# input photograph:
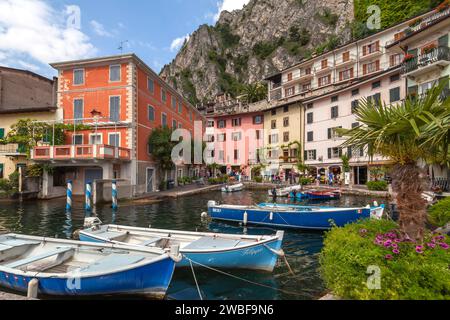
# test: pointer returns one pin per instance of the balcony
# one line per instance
(372, 54)
(301, 78)
(435, 58)
(276, 94)
(12, 149)
(344, 62)
(80, 152)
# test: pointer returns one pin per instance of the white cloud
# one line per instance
(178, 42)
(229, 5)
(99, 29)
(32, 31)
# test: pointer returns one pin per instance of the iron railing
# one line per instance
(425, 59)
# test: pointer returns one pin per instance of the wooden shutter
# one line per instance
(329, 153)
(330, 131)
(351, 73)
(346, 56)
(315, 154)
(364, 68)
(443, 41)
(377, 45)
(377, 65)
(341, 75)
(364, 50)
(305, 155)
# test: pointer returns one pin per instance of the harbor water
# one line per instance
(302, 248)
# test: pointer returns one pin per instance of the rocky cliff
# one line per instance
(263, 37)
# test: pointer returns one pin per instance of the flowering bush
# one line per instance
(409, 270)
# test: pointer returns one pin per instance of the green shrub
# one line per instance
(349, 252)
(5, 185)
(35, 170)
(305, 181)
(14, 180)
(439, 214)
(258, 179)
(163, 185)
(377, 185)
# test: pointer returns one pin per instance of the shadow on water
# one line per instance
(49, 218)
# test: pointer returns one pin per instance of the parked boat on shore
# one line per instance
(283, 192)
(233, 188)
(211, 249)
(73, 268)
(289, 216)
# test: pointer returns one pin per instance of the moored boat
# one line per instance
(216, 250)
(283, 192)
(322, 195)
(289, 216)
(233, 188)
(73, 268)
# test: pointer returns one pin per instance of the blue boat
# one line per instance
(290, 216)
(298, 195)
(224, 251)
(73, 268)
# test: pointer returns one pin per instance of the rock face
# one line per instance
(262, 38)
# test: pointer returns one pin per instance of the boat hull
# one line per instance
(317, 220)
(151, 280)
(256, 257)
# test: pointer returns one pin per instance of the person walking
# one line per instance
(330, 179)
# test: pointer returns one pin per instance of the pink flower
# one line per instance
(389, 257)
(388, 243)
(431, 245)
(419, 249)
(396, 251)
(444, 246)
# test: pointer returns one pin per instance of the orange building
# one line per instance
(113, 103)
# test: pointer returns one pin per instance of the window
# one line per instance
(274, 112)
(258, 134)
(355, 104)
(236, 136)
(334, 112)
(376, 98)
(324, 64)
(236, 122)
(78, 110)
(221, 124)
(333, 134)
(346, 56)
(164, 120)
(355, 92)
(190, 115)
(310, 118)
(180, 107)
(290, 91)
(371, 48)
(78, 77)
(150, 85)
(174, 124)
(289, 76)
(346, 74)
(395, 59)
(151, 113)
(394, 94)
(334, 153)
(309, 106)
(323, 81)
(222, 137)
(180, 126)
(371, 67)
(274, 124)
(114, 109)
(286, 122)
(174, 103)
(114, 73)
(1, 170)
(163, 95)
(310, 155)
(210, 124)
(395, 77)
(210, 138)
(286, 109)
(95, 138)
(306, 86)
(257, 119)
(114, 139)
(334, 99)
(355, 125)
(310, 136)
(376, 84)
(273, 138)
(285, 136)
(77, 139)
(236, 154)
(2, 133)
(221, 155)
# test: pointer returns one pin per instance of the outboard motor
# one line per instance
(211, 203)
(92, 222)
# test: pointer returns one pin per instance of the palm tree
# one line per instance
(254, 92)
(401, 132)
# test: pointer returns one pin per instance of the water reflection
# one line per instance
(49, 218)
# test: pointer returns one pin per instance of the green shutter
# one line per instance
(443, 41)
(2, 133)
(315, 155)
(1, 170)
(329, 153)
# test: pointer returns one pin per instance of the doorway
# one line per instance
(150, 179)
(360, 175)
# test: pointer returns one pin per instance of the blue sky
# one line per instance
(34, 33)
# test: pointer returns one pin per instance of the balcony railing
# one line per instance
(276, 94)
(12, 149)
(426, 59)
(81, 152)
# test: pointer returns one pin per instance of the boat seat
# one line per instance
(29, 260)
(4, 247)
(111, 262)
(150, 241)
(212, 243)
(111, 235)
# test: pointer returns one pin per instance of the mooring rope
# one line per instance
(195, 279)
(242, 279)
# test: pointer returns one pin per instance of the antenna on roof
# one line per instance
(121, 45)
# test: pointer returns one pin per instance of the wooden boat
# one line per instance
(233, 188)
(73, 268)
(289, 216)
(216, 250)
(283, 192)
(298, 195)
(322, 195)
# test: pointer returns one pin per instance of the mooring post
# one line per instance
(88, 206)
(33, 287)
(114, 195)
(69, 195)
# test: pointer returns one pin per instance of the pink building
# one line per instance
(234, 138)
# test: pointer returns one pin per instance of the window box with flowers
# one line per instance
(415, 23)
(408, 57)
(429, 48)
(443, 6)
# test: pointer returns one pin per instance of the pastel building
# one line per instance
(111, 105)
(234, 136)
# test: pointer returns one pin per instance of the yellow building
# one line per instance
(284, 132)
(23, 95)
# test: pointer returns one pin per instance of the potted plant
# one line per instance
(443, 6)
(429, 48)
(408, 57)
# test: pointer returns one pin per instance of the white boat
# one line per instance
(284, 192)
(233, 187)
(216, 250)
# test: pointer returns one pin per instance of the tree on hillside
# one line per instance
(255, 92)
